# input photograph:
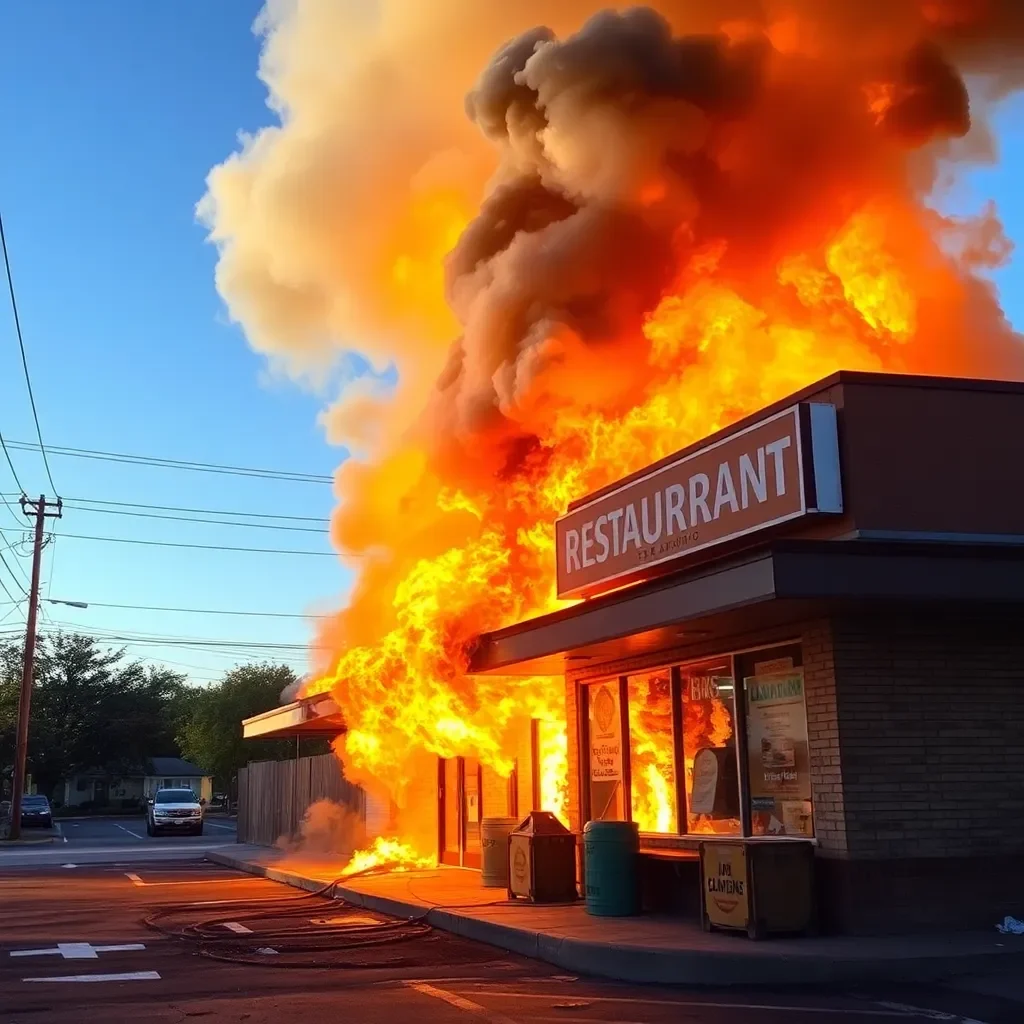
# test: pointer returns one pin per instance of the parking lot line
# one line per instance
(238, 929)
(128, 830)
(460, 1002)
(900, 1014)
(204, 881)
(227, 828)
(126, 976)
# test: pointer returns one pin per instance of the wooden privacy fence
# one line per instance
(274, 795)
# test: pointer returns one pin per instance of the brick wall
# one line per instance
(572, 737)
(931, 725)
(823, 739)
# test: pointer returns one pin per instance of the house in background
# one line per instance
(132, 789)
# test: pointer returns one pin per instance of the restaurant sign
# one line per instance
(778, 469)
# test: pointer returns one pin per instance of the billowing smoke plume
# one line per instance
(651, 222)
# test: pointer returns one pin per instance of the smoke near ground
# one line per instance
(327, 829)
(584, 239)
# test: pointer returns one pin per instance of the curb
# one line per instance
(17, 844)
(653, 965)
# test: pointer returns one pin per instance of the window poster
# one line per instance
(777, 749)
(605, 734)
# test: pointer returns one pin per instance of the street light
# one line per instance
(70, 604)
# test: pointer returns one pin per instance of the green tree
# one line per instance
(92, 710)
(212, 734)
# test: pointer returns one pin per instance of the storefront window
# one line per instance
(777, 747)
(607, 784)
(651, 752)
(709, 749)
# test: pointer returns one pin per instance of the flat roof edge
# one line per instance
(301, 715)
(839, 377)
(799, 570)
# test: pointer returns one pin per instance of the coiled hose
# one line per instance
(221, 943)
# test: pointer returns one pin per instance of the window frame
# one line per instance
(676, 670)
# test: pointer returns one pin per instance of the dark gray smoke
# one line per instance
(626, 149)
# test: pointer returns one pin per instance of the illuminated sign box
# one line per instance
(773, 471)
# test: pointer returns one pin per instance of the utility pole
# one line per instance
(39, 509)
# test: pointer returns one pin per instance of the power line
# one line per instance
(13, 471)
(10, 611)
(220, 649)
(196, 511)
(283, 657)
(181, 544)
(185, 464)
(24, 358)
(176, 638)
(6, 565)
(205, 611)
(53, 562)
(196, 519)
(9, 546)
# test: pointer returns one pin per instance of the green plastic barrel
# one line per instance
(611, 868)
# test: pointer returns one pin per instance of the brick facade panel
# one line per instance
(931, 723)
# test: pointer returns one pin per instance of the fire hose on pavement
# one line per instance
(297, 935)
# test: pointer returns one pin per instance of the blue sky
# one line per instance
(113, 114)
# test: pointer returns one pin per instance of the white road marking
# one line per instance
(205, 881)
(227, 828)
(128, 830)
(918, 1011)
(134, 878)
(459, 1002)
(270, 951)
(709, 1004)
(69, 866)
(79, 950)
(238, 929)
(127, 976)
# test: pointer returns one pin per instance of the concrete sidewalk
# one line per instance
(643, 949)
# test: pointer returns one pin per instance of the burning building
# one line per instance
(687, 216)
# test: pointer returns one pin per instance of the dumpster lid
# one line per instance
(541, 823)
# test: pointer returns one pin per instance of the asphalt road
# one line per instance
(96, 840)
(75, 948)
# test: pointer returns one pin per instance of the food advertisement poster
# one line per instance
(780, 777)
(605, 734)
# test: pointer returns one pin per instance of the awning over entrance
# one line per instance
(312, 716)
(770, 586)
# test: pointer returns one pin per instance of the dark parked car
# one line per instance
(35, 810)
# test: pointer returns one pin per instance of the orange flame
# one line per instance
(775, 232)
(389, 854)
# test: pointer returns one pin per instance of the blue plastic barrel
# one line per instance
(611, 857)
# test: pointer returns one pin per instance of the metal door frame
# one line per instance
(462, 858)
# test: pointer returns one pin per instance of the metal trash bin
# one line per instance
(761, 887)
(612, 868)
(494, 833)
(542, 860)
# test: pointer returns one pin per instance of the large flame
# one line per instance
(675, 231)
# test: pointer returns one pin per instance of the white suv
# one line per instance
(174, 810)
